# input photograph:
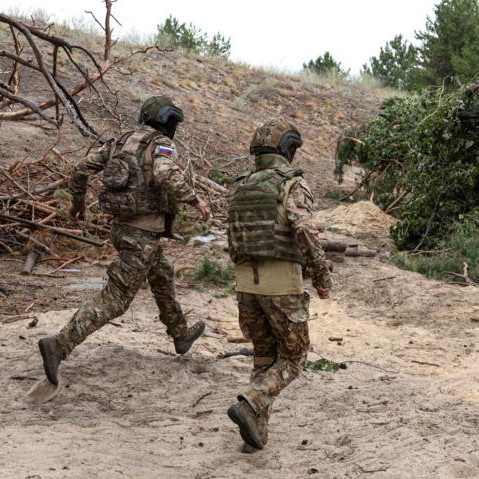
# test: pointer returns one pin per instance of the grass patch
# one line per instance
(265, 89)
(433, 265)
(461, 246)
(221, 177)
(208, 271)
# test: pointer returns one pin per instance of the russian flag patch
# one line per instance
(164, 150)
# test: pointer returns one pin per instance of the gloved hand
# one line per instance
(204, 209)
(321, 278)
(78, 211)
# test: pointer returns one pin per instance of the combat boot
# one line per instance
(52, 356)
(244, 417)
(184, 343)
(262, 424)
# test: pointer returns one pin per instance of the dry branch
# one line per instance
(58, 231)
(61, 95)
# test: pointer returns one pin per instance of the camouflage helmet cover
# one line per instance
(275, 135)
(159, 109)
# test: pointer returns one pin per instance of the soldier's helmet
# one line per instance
(160, 110)
(276, 135)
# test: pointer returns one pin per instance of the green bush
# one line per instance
(421, 160)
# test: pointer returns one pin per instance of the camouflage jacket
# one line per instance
(299, 211)
(166, 171)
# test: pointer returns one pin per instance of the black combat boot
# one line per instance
(184, 343)
(243, 415)
(52, 356)
(262, 425)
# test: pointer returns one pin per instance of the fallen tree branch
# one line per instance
(57, 231)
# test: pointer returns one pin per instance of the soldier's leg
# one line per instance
(254, 325)
(287, 318)
(162, 283)
(161, 278)
(136, 249)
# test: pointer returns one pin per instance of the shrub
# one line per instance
(325, 64)
(173, 34)
(421, 161)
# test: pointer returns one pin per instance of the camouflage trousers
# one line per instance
(278, 328)
(140, 258)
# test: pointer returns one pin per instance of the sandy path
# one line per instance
(127, 408)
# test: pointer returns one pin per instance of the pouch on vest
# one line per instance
(116, 172)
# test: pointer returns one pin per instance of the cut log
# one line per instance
(337, 246)
(30, 262)
(356, 252)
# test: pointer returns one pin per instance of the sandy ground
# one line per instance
(406, 407)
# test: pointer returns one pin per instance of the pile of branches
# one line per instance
(420, 159)
(36, 191)
(34, 207)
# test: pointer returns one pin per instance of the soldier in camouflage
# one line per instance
(271, 233)
(142, 185)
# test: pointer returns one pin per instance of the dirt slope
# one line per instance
(223, 103)
(406, 407)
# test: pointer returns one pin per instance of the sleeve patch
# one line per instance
(163, 150)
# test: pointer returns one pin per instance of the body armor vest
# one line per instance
(129, 186)
(254, 227)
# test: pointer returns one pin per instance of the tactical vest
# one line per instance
(254, 227)
(129, 186)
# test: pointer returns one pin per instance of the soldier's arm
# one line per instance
(299, 208)
(169, 175)
(91, 164)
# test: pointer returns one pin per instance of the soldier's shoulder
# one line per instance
(164, 146)
(298, 185)
(162, 139)
(306, 188)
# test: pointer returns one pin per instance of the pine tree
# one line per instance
(396, 66)
(449, 45)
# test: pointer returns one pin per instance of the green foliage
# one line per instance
(210, 271)
(450, 42)
(220, 176)
(325, 64)
(219, 46)
(323, 364)
(396, 66)
(173, 34)
(422, 160)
